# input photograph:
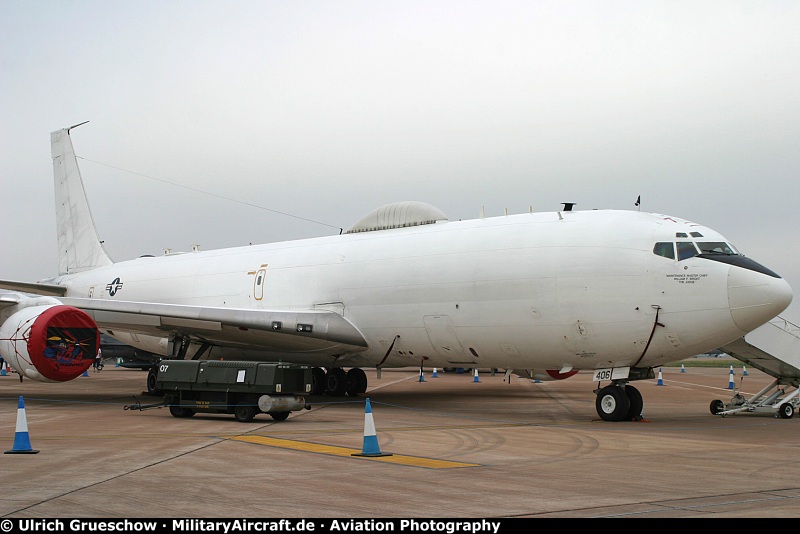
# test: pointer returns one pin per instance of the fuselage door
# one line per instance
(443, 338)
(258, 283)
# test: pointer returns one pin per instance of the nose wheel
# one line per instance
(618, 403)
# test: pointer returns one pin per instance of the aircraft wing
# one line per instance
(9, 299)
(272, 330)
(318, 331)
(34, 287)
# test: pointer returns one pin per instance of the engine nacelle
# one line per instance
(47, 341)
(555, 374)
(546, 376)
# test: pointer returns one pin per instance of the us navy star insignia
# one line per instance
(113, 287)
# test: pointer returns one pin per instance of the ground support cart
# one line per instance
(772, 399)
(240, 388)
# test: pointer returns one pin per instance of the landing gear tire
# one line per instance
(279, 416)
(786, 410)
(244, 413)
(612, 403)
(177, 411)
(336, 382)
(637, 404)
(152, 376)
(318, 381)
(356, 382)
(717, 406)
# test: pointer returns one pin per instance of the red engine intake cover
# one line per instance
(561, 376)
(63, 343)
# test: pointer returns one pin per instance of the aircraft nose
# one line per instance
(754, 298)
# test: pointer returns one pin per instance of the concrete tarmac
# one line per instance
(460, 449)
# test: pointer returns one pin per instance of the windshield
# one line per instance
(715, 247)
(686, 249)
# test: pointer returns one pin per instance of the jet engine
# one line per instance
(44, 340)
(546, 376)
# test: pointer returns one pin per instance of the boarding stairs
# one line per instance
(773, 348)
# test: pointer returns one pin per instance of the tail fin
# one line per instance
(79, 248)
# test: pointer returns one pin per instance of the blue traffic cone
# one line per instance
(421, 376)
(475, 376)
(370, 447)
(731, 385)
(22, 441)
(86, 372)
(660, 378)
(744, 370)
(3, 371)
(434, 375)
(683, 369)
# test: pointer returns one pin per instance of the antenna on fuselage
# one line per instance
(638, 201)
(568, 205)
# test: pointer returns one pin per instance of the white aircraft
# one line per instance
(543, 295)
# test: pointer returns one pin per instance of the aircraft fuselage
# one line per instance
(559, 290)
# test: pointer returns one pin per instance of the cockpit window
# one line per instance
(681, 234)
(695, 234)
(665, 249)
(686, 249)
(715, 247)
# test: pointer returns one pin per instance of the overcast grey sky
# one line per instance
(327, 109)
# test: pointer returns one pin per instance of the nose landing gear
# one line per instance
(619, 403)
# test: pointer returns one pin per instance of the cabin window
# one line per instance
(715, 247)
(665, 249)
(686, 249)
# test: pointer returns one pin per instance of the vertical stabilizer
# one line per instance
(79, 248)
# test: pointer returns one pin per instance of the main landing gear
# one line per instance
(337, 383)
(619, 402)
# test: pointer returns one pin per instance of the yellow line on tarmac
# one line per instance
(400, 459)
